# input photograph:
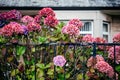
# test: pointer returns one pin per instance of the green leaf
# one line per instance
(14, 72)
(42, 39)
(40, 73)
(79, 77)
(50, 72)
(61, 77)
(18, 78)
(117, 68)
(48, 65)
(67, 75)
(33, 77)
(32, 68)
(33, 49)
(40, 65)
(20, 50)
(41, 78)
(54, 38)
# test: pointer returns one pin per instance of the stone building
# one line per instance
(101, 17)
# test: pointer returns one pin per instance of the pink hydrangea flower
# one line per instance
(33, 26)
(88, 38)
(100, 40)
(46, 12)
(93, 60)
(76, 22)
(50, 21)
(64, 30)
(117, 53)
(7, 30)
(104, 67)
(71, 30)
(27, 19)
(13, 14)
(17, 29)
(59, 60)
(3, 15)
(116, 38)
(37, 18)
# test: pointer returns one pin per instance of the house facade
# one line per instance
(101, 18)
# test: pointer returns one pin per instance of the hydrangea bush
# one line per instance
(40, 62)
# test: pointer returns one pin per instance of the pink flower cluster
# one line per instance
(88, 38)
(46, 12)
(50, 21)
(46, 15)
(76, 22)
(100, 40)
(27, 19)
(7, 30)
(99, 63)
(104, 67)
(117, 54)
(71, 30)
(37, 18)
(33, 26)
(93, 60)
(59, 60)
(116, 38)
(13, 14)
(12, 28)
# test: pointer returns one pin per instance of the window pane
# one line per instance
(105, 27)
(105, 37)
(87, 26)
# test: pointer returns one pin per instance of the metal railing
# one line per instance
(35, 61)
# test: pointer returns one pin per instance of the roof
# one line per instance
(60, 3)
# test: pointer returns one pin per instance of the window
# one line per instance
(87, 28)
(106, 30)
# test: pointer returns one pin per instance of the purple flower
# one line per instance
(25, 29)
(59, 60)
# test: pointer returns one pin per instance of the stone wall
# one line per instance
(61, 3)
(115, 26)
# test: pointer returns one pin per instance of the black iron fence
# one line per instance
(35, 61)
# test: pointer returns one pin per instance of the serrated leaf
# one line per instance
(20, 50)
(42, 39)
(40, 65)
(40, 73)
(14, 72)
(50, 72)
(48, 65)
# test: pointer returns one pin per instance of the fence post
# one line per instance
(94, 49)
(114, 62)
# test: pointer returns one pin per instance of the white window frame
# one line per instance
(88, 32)
(106, 33)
